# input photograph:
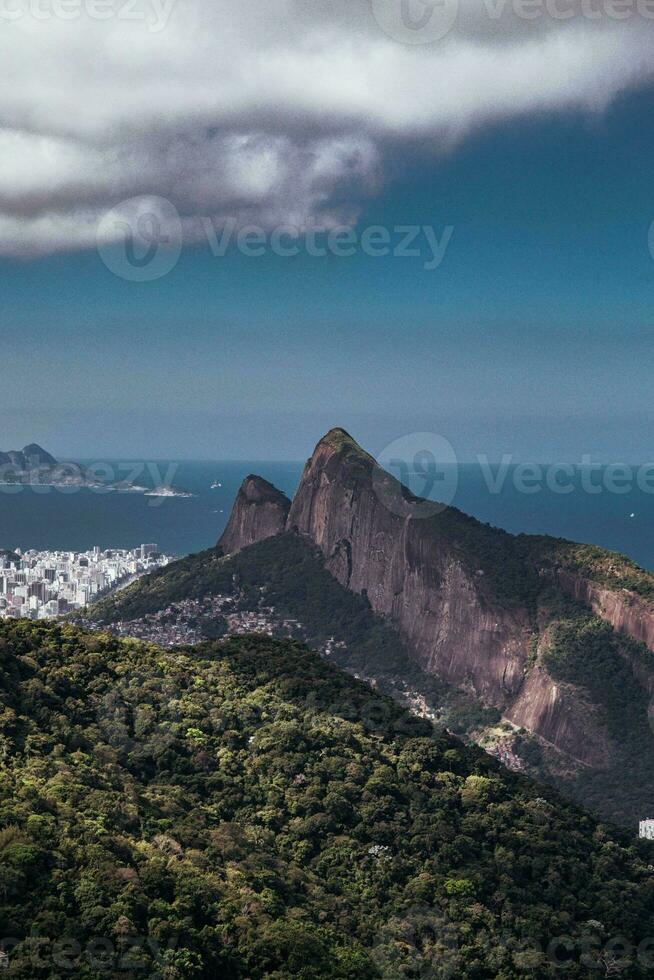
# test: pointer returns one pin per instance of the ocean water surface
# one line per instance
(618, 514)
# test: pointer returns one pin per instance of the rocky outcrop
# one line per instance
(560, 715)
(419, 566)
(259, 512)
(625, 611)
(376, 540)
(27, 459)
(33, 466)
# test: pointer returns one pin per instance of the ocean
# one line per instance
(602, 508)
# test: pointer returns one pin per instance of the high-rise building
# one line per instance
(47, 583)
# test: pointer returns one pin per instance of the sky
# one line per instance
(154, 171)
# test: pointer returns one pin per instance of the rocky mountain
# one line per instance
(260, 511)
(34, 465)
(553, 637)
(412, 570)
(30, 458)
(476, 606)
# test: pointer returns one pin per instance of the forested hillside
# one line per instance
(585, 658)
(289, 574)
(245, 810)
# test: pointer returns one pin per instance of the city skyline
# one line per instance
(46, 584)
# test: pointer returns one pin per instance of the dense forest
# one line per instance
(245, 810)
(289, 573)
(583, 650)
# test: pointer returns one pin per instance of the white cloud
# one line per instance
(270, 111)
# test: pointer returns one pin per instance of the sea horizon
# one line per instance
(605, 511)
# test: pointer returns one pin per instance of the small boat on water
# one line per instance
(216, 486)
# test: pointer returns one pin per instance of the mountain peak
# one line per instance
(260, 511)
(337, 437)
(35, 452)
(340, 441)
(30, 458)
(257, 490)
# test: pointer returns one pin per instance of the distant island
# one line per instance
(34, 466)
(168, 492)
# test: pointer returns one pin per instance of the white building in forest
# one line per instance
(646, 829)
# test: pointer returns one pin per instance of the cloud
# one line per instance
(269, 112)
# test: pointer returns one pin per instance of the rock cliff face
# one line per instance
(625, 611)
(375, 541)
(260, 511)
(562, 716)
(423, 571)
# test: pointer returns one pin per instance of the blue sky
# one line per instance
(534, 337)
